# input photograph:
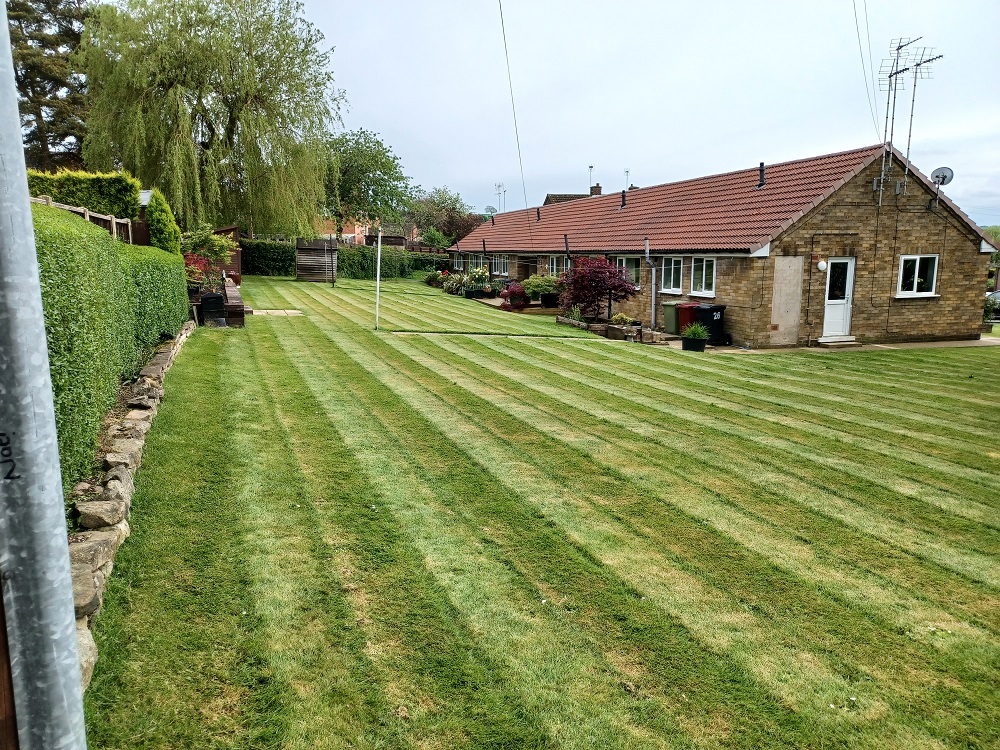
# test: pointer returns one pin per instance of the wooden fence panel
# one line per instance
(316, 260)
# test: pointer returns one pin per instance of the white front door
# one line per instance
(839, 293)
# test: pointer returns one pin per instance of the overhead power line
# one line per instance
(864, 73)
(513, 109)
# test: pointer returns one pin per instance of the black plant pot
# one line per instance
(550, 299)
(193, 290)
(693, 345)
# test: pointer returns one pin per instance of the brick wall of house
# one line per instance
(850, 223)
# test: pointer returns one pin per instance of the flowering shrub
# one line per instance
(514, 298)
(591, 283)
(435, 279)
(479, 275)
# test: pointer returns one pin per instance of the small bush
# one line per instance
(114, 193)
(216, 250)
(620, 319)
(434, 279)
(695, 331)
(163, 230)
(575, 314)
(455, 283)
(990, 309)
(593, 282)
(514, 297)
(265, 258)
(536, 285)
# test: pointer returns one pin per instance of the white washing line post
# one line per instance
(378, 275)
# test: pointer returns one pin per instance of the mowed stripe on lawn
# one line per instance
(516, 540)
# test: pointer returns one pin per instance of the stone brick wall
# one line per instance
(850, 223)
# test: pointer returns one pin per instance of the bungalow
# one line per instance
(819, 250)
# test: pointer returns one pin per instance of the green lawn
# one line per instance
(351, 539)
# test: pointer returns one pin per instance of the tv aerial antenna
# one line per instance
(905, 58)
(501, 192)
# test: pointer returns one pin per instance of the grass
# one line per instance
(495, 532)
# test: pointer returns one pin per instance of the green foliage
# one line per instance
(163, 230)
(358, 262)
(576, 314)
(619, 319)
(102, 304)
(443, 211)
(224, 106)
(161, 306)
(365, 180)
(435, 238)
(114, 193)
(265, 258)
(50, 92)
(536, 285)
(694, 331)
(479, 275)
(209, 252)
(990, 309)
(455, 283)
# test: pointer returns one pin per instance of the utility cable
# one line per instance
(864, 73)
(517, 137)
(871, 65)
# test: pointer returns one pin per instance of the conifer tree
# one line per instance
(44, 34)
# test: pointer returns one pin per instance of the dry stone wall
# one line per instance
(103, 505)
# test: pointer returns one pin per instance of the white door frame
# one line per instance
(838, 327)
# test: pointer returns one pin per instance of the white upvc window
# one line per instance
(477, 261)
(917, 276)
(500, 265)
(557, 264)
(703, 277)
(632, 268)
(670, 279)
(458, 262)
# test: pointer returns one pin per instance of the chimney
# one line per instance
(538, 214)
(595, 189)
(761, 183)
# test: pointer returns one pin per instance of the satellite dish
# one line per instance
(490, 211)
(942, 175)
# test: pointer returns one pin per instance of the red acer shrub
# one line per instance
(590, 282)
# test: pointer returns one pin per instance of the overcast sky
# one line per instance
(669, 90)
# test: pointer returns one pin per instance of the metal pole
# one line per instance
(34, 554)
(378, 275)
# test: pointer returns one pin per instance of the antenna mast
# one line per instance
(903, 60)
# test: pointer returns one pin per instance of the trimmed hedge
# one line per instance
(114, 193)
(163, 230)
(106, 305)
(161, 307)
(264, 258)
(358, 262)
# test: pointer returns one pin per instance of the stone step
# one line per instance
(840, 344)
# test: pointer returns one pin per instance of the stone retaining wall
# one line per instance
(103, 505)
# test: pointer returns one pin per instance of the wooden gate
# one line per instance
(316, 260)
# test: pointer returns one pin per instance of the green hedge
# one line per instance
(106, 304)
(163, 230)
(264, 258)
(114, 193)
(162, 304)
(358, 262)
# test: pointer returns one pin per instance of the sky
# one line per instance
(667, 90)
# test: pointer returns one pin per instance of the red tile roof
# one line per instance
(723, 212)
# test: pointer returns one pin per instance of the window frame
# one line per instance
(459, 262)
(558, 264)
(906, 294)
(679, 289)
(622, 262)
(694, 263)
(500, 265)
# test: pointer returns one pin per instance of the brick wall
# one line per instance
(850, 223)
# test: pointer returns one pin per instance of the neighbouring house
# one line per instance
(817, 250)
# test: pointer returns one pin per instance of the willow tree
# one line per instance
(222, 105)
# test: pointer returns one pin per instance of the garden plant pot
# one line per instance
(550, 299)
(693, 345)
